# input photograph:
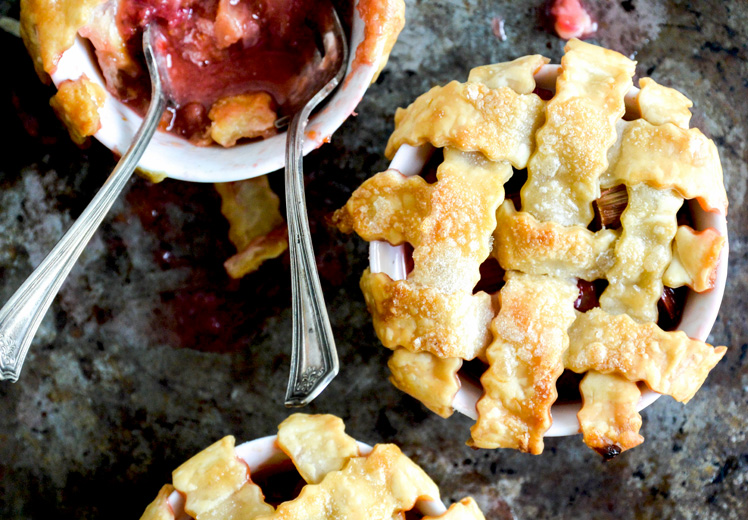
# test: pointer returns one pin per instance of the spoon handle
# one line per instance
(314, 360)
(22, 314)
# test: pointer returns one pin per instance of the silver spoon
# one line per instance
(314, 360)
(20, 317)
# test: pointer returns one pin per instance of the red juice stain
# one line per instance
(570, 19)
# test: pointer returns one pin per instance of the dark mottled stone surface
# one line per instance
(150, 352)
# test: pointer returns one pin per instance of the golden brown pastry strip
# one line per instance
(572, 145)
(456, 235)
(376, 486)
(265, 247)
(246, 503)
(465, 509)
(668, 157)
(471, 117)
(518, 74)
(317, 444)
(383, 21)
(77, 104)
(388, 206)
(525, 360)
(426, 319)
(695, 259)
(660, 105)
(256, 226)
(642, 253)
(608, 419)
(249, 116)
(49, 27)
(669, 362)
(160, 509)
(210, 477)
(430, 379)
(524, 244)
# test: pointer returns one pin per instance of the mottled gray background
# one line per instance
(151, 353)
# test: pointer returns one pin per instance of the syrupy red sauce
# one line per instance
(279, 483)
(262, 46)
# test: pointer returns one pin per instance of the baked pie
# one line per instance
(236, 66)
(330, 478)
(579, 208)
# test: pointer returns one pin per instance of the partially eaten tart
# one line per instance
(575, 207)
(236, 66)
(312, 470)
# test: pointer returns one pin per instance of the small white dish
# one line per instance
(264, 453)
(171, 156)
(699, 313)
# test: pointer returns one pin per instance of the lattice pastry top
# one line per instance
(600, 207)
(340, 482)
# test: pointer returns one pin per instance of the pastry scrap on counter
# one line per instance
(235, 65)
(329, 479)
(591, 235)
(256, 227)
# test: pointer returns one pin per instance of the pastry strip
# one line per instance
(572, 145)
(388, 206)
(660, 105)
(525, 360)
(160, 509)
(376, 486)
(425, 319)
(669, 362)
(471, 117)
(317, 444)
(456, 235)
(49, 28)
(668, 157)
(245, 503)
(256, 227)
(430, 379)
(608, 419)
(642, 253)
(210, 477)
(518, 75)
(77, 104)
(524, 244)
(695, 259)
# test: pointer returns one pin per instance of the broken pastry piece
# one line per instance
(340, 482)
(608, 419)
(589, 243)
(426, 377)
(256, 227)
(77, 104)
(695, 259)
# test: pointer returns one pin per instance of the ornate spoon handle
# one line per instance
(314, 360)
(21, 315)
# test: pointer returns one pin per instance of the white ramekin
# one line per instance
(171, 156)
(699, 313)
(264, 453)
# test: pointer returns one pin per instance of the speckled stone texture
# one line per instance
(151, 353)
